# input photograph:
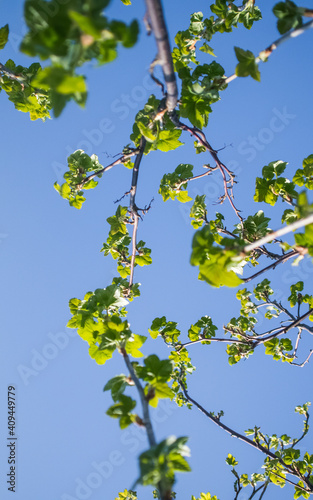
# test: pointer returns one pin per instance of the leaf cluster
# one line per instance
(70, 34)
(80, 164)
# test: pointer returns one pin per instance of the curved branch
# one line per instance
(156, 16)
(282, 259)
(227, 175)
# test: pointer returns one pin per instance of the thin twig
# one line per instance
(256, 490)
(307, 328)
(209, 172)
(122, 159)
(282, 259)
(286, 328)
(264, 490)
(282, 308)
(228, 182)
(165, 495)
(305, 430)
(269, 50)
(301, 365)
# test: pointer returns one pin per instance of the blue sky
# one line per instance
(50, 253)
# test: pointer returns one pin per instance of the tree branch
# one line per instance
(301, 365)
(286, 328)
(146, 413)
(143, 400)
(157, 22)
(133, 208)
(269, 50)
(244, 438)
(122, 159)
(227, 175)
(284, 258)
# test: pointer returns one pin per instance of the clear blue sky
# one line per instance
(50, 253)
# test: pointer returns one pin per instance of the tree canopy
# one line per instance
(244, 224)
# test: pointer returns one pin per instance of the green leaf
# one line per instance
(4, 35)
(207, 49)
(159, 463)
(86, 24)
(117, 386)
(146, 132)
(247, 64)
(299, 491)
(60, 80)
(127, 494)
(167, 329)
(122, 410)
(289, 16)
(168, 140)
(133, 345)
(263, 192)
(215, 262)
(196, 109)
(101, 355)
(230, 460)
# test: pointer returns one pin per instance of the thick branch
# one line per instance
(287, 36)
(165, 495)
(280, 232)
(143, 400)
(155, 13)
